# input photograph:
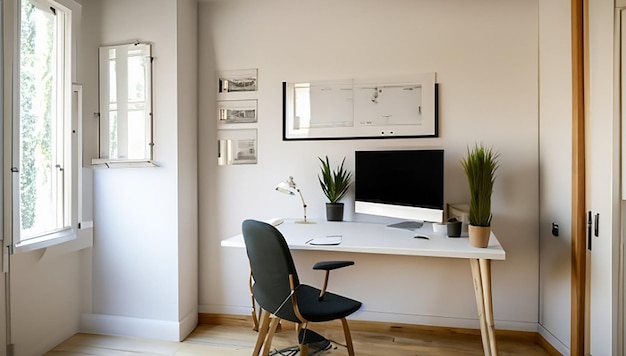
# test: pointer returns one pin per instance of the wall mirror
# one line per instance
(125, 101)
(361, 108)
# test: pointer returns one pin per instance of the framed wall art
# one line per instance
(236, 111)
(361, 108)
(236, 147)
(237, 81)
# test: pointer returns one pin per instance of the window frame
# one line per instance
(70, 133)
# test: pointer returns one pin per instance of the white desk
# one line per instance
(380, 239)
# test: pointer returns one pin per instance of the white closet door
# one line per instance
(603, 156)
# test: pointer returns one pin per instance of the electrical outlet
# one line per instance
(555, 229)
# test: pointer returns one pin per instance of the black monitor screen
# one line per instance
(407, 178)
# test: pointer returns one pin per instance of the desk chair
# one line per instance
(279, 293)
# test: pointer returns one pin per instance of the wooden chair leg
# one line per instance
(255, 320)
(304, 349)
(265, 322)
(346, 332)
(270, 336)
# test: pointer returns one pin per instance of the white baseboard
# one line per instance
(142, 328)
(442, 321)
(224, 309)
(416, 319)
(188, 324)
(556, 343)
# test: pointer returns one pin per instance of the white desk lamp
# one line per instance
(289, 187)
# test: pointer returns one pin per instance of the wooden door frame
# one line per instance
(579, 243)
(619, 79)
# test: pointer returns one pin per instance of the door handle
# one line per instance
(589, 223)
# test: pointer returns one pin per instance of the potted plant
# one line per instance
(480, 166)
(335, 184)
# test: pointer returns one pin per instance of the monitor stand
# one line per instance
(408, 225)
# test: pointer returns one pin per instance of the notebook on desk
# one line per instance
(325, 240)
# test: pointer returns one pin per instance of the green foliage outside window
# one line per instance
(36, 105)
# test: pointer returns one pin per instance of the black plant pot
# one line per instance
(334, 211)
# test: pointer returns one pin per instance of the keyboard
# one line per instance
(408, 225)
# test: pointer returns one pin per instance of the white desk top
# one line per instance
(380, 239)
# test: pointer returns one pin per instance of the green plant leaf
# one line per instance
(334, 183)
(480, 166)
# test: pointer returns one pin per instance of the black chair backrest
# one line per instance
(271, 264)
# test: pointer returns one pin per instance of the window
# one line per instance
(43, 143)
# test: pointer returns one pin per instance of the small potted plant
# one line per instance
(335, 184)
(480, 166)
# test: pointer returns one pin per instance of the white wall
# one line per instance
(144, 255)
(45, 300)
(555, 162)
(485, 55)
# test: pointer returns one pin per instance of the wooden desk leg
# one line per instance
(480, 304)
(485, 272)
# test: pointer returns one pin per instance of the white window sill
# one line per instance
(108, 163)
(60, 242)
(44, 241)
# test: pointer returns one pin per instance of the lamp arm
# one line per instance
(303, 203)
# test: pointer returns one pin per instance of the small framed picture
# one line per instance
(236, 147)
(236, 81)
(236, 112)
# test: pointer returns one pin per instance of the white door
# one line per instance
(603, 135)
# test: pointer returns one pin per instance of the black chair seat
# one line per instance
(331, 307)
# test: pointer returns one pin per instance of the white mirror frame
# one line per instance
(125, 128)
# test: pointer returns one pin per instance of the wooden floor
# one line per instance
(239, 340)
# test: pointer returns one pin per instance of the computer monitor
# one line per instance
(405, 184)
